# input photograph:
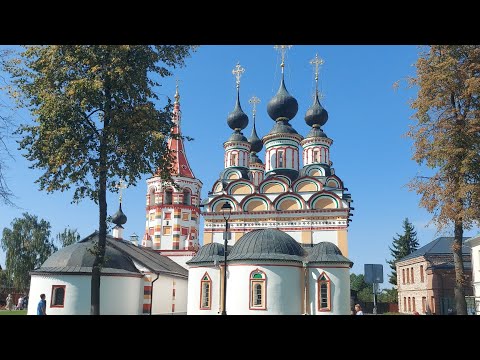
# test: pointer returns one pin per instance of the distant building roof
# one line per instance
(439, 246)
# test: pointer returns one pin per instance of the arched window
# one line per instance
(258, 291)
(324, 293)
(168, 197)
(280, 159)
(411, 275)
(422, 275)
(186, 197)
(58, 296)
(206, 292)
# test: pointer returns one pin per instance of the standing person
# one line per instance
(9, 304)
(358, 310)
(20, 303)
(42, 305)
(25, 302)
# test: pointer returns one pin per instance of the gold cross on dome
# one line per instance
(177, 94)
(238, 72)
(283, 49)
(254, 101)
(317, 62)
(120, 186)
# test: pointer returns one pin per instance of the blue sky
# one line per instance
(367, 120)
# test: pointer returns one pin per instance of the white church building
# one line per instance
(134, 281)
(269, 273)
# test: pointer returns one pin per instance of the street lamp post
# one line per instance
(226, 211)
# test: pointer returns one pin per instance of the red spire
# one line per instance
(180, 165)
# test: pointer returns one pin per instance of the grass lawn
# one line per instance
(13, 312)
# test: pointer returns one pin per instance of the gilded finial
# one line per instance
(283, 49)
(254, 101)
(177, 94)
(320, 96)
(120, 186)
(316, 62)
(238, 72)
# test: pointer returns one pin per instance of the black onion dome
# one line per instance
(266, 244)
(316, 114)
(255, 142)
(282, 105)
(316, 132)
(119, 218)
(254, 159)
(237, 119)
(237, 136)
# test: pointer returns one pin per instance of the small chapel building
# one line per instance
(134, 280)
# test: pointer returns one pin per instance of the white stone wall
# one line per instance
(118, 295)
(195, 275)
(181, 260)
(163, 295)
(283, 292)
(325, 235)
(339, 290)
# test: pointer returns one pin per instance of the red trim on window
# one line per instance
(209, 281)
(263, 282)
(329, 293)
(53, 293)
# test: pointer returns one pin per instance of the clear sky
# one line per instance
(367, 120)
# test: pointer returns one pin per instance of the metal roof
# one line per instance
(147, 257)
(119, 259)
(439, 246)
(266, 244)
(209, 253)
(79, 257)
(325, 252)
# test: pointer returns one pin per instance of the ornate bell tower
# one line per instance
(173, 209)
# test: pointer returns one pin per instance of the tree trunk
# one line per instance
(460, 302)
(102, 235)
(102, 205)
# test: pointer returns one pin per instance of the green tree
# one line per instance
(357, 282)
(403, 245)
(68, 237)
(388, 296)
(95, 122)
(27, 245)
(364, 290)
(446, 136)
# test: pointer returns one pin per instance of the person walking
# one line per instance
(42, 305)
